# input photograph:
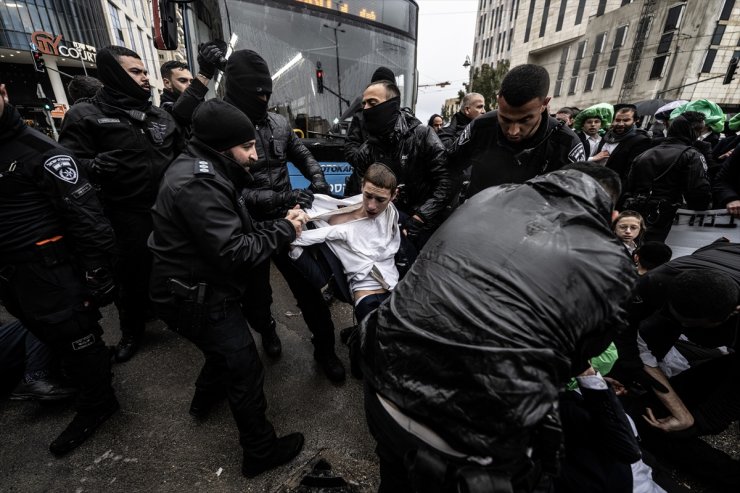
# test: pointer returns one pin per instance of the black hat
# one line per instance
(383, 73)
(246, 71)
(221, 126)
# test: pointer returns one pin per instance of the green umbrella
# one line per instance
(714, 117)
(734, 123)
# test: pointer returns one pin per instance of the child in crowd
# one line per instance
(629, 227)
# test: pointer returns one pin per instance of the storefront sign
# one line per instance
(53, 45)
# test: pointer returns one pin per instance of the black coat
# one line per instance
(415, 154)
(182, 108)
(143, 150)
(686, 181)
(45, 193)
(484, 146)
(477, 339)
(726, 185)
(277, 144)
(202, 230)
(623, 156)
(451, 132)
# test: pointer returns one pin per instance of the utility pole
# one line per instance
(336, 48)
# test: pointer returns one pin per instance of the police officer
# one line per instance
(204, 245)
(125, 143)
(248, 87)
(55, 245)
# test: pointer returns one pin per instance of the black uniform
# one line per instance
(203, 234)
(53, 232)
(496, 161)
(266, 198)
(142, 150)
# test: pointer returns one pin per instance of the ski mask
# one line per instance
(381, 119)
(247, 77)
(120, 89)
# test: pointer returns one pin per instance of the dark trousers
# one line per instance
(132, 268)
(21, 349)
(396, 448)
(711, 392)
(368, 304)
(257, 300)
(233, 368)
(51, 302)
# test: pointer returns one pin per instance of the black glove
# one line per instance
(412, 228)
(210, 59)
(100, 283)
(319, 185)
(104, 165)
(300, 196)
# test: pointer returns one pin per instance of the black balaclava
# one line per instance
(381, 119)
(247, 77)
(119, 89)
(682, 130)
(383, 73)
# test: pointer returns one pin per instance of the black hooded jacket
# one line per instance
(415, 154)
(43, 194)
(683, 170)
(202, 230)
(451, 132)
(477, 339)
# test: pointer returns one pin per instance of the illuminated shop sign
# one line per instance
(343, 7)
(49, 44)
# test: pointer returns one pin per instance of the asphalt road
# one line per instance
(152, 443)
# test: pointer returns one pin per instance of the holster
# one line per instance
(192, 313)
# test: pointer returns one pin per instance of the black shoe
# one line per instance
(332, 366)
(126, 348)
(41, 390)
(80, 429)
(271, 342)
(286, 448)
(203, 403)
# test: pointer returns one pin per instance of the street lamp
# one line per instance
(336, 47)
(467, 61)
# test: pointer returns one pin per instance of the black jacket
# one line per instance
(202, 231)
(686, 180)
(726, 185)
(451, 132)
(276, 145)
(415, 154)
(477, 339)
(483, 145)
(623, 156)
(43, 194)
(143, 149)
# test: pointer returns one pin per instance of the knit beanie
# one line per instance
(247, 71)
(383, 73)
(221, 126)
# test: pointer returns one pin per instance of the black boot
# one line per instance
(83, 425)
(270, 340)
(127, 347)
(330, 364)
(41, 390)
(285, 449)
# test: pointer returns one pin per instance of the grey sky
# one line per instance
(446, 31)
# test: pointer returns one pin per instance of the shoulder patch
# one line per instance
(63, 168)
(202, 167)
(577, 153)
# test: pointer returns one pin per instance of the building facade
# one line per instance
(494, 31)
(623, 50)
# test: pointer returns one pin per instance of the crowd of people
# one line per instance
(520, 323)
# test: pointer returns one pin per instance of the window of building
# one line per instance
(601, 8)
(528, 29)
(673, 20)
(131, 30)
(579, 11)
(115, 22)
(659, 65)
(719, 31)
(561, 70)
(511, 35)
(621, 37)
(727, 10)
(503, 41)
(558, 87)
(589, 82)
(561, 15)
(572, 86)
(708, 61)
(545, 15)
(609, 77)
(625, 2)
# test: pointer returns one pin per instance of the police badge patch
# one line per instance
(62, 167)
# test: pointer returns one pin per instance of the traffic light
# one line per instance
(38, 61)
(319, 81)
(731, 68)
